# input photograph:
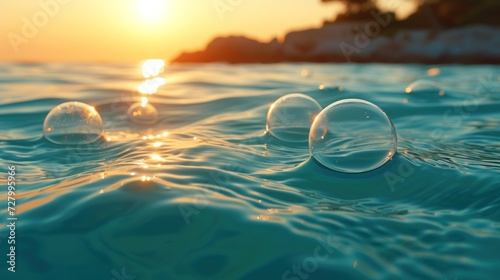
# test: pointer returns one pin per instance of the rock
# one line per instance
(236, 50)
(350, 42)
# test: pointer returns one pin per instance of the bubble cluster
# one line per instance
(426, 87)
(352, 136)
(73, 123)
(290, 117)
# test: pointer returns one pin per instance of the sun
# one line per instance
(151, 10)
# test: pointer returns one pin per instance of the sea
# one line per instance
(205, 192)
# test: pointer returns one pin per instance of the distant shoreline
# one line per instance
(371, 41)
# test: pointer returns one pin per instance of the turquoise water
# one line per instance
(206, 194)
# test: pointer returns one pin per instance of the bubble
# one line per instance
(142, 113)
(72, 123)
(306, 73)
(352, 136)
(290, 117)
(434, 71)
(330, 88)
(424, 87)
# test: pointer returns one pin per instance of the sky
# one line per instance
(134, 30)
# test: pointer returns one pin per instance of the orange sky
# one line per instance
(133, 30)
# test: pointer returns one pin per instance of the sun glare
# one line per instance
(151, 10)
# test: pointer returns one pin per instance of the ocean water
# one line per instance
(206, 194)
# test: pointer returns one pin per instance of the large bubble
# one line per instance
(352, 136)
(426, 87)
(142, 113)
(73, 123)
(291, 116)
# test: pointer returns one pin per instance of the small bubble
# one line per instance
(290, 117)
(327, 87)
(421, 87)
(433, 72)
(73, 123)
(305, 73)
(141, 113)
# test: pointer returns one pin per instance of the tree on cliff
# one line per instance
(432, 14)
(354, 6)
(356, 10)
(454, 13)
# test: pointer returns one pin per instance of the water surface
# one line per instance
(207, 194)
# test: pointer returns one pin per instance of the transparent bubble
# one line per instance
(142, 113)
(73, 123)
(306, 73)
(330, 88)
(352, 136)
(290, 117)
(424, 87)
(434, 72)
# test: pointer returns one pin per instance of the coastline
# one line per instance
(361, 42)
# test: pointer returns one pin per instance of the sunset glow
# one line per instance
(135, 30)
(151, 10)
